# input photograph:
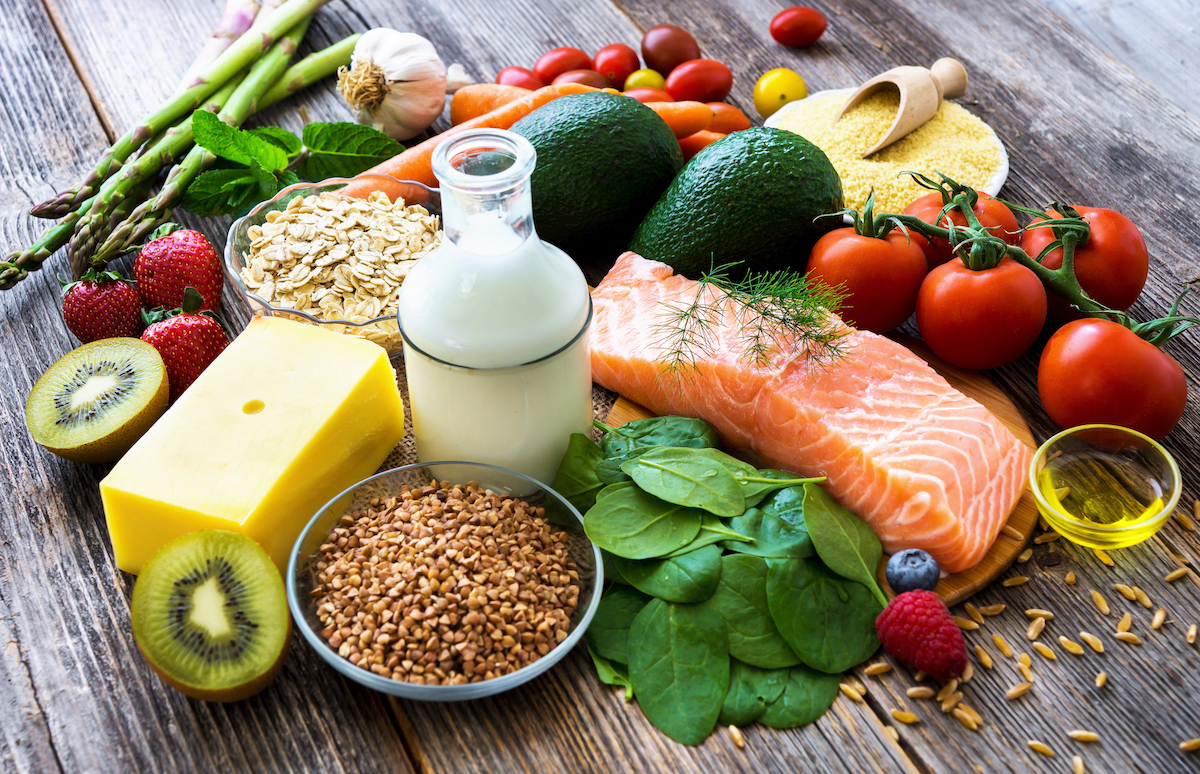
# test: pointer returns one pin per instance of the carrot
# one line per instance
(479, 98)
(727, 119)
(684, 118)
(416, 163)
(693, 144)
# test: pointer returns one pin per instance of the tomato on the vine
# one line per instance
(992, 214)
(665, 47)
(557, 61)
(1097, 371)
(881, 277)
(980, 319)
(1111, 266)
(798, 26)
(701, 80)
(616, 63)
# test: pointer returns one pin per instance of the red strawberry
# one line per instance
(188, 341)
(102, 306)
(918, 629)
(179, 259)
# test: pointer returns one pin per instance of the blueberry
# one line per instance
(911, 569)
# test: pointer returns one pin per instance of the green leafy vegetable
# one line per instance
(843, 541)
(611, 489)
(657, 431)
(238, 146)
(286, 141)
(712, 530)
(681, 476)
(777, 527)
(344, 150)
(611, 673)
(741, 600)
(763, 482)
(608, 634)
(637, 525)
(750, 691)
(686, 579)
(576, 478)
(222, 191)
(805, 698)
(679, 666)
(827, 620)
(611, 573)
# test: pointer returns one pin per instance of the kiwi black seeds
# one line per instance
(445, 585)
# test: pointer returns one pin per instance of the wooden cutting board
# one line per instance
(959, 586)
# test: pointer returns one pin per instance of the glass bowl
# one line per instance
(301, 572)
(1104, 486)
(382, 329)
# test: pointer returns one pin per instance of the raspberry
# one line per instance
(917, 629)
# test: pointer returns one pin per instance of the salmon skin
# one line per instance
(924, 465)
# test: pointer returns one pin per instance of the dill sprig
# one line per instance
(772, 313)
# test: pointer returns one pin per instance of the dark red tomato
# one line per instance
(980, 319)
(665, 47)
(519, 76)
(702, 80)
(991, 213)
(1111, 267)
(798, 26)
(643, 94)
(616, 62)
(1096, 371)
(586, 77)
(557, 61)
(880, 276)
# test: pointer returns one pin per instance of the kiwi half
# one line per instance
(96, 401)
(210, 615)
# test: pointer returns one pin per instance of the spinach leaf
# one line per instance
(576, 478)
(611, 573)
(805, 698)
(614, 488)
(741, 600)
(687, 579)
(679, 476)
(843, 541)
(827, 620)
(777, 527)
(637, 525)
(750, 691)
(763, 482)
(608, 633)
(612, 674)
(679, 666)
(656, 431)
(712, 530)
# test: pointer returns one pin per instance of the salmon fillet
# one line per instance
(924, 465)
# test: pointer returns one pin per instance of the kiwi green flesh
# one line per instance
(210, 615)
(96, 401)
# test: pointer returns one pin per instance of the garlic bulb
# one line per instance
(396, 82)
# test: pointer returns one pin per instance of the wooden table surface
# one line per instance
(1079, 124)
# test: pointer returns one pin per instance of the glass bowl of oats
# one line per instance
(318, 257)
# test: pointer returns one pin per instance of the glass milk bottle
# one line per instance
(495, 320)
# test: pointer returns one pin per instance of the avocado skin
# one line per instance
(603, 161)
(750, 197)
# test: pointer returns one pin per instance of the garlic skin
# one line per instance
(396, 82)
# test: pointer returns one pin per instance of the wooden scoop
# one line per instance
(921, 93)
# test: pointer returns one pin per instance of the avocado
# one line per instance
(753, 197)
(603, 160)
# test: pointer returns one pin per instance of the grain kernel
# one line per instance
(1070, 579)
(1175, 575)
(1189, 745)
(992, 609)
(1025, 671)
(1103, 556)
(1142, 598)
(892, 732)
(1017, 691)
(1077, 765)
(1186, 522)
(968, 672)
(1160, 617)
(984, 657)
(1002, 644)
(947, 689)
(973, 613)
(1125, 622)
(1018, 580)
(1070, 646)
(735, 734)
(1025, 556)
(1023, 658)
(920, 692)
(1080, 735)
(1191, 634)
(1126, 591)
(1035, 628)
(951, 701)
(904, 717)
(965, 624)
(856, 684)
(1037, 612)
(1048, 537)
(878, 668)
(1044, 749)
(1093, 641)
(919, 675)
(1013, 533)
(1102, 679)
(1045, 650)
(966, 719)
(970, 711)
(1129, 637)
(1100, 602)
(850, 692)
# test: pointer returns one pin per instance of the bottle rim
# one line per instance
(449, 155)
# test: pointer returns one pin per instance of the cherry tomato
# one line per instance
(1111, 267)
(990, 212)
(776, 88)
(665, 47)
(880, 276)
(727, 118)
(980, 319)
(557, 61)
(586, 77)
(643, 94)
(616, 63)
(645, 79)
(702, 80)
(519, 76)
(1096, 371)
(798, 26)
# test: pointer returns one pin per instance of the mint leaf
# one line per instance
(225, 191)
(237, 146)
(280, 137)
(286, 177)
(344, 150)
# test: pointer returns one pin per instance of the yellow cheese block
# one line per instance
(285, 418)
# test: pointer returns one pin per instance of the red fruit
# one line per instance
(615, 63)
(102, 306)
(557, 61)
(917, 629)
(168, 265)
(519, 76)
(187, 341)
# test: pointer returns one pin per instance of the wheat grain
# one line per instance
(1070, 646)
(906, 718)
(1025, 671)
(1189, 745)
(1175, 575)
(919, 675)
(1103, 556)
(1013, 533)
(1100, 602)
(992, 609)
(735, 734)
(950, 701)
(1093, 641)
(1191, 634)
(1044, 749)
(968, 672)
(1142, 598)
(966, 719)
(878, 668)
(947, 689)
(985, 658)
(1079, 735)
(1186, 522)
(1125, 622)
(1035, 628)
(1129, 637)
(892, 732)
(1045, 650)
(850, 692)
(965, 624)
(1077, 765)
(1025, 556)
(1037, 612)
(1017, 691)
(1045, 525)
(970, 711)
(920, 692)
(1126, 591)
(1070, 579)
(1018, 580)
(973, 613)
(1160, 617)
(1101, 679)
(1048, 537)
(1023, 658)
(1002, 644)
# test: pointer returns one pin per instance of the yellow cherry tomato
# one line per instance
(776, 88)
(645, 79)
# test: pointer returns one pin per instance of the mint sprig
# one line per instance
(344, 150)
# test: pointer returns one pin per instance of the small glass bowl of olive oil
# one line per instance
(1104, 486)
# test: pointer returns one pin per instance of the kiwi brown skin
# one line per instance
(243, 691)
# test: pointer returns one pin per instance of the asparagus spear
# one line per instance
(238, 107)
(235, 20)
(310, 69)
(245, 50)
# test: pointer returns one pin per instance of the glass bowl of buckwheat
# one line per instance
(318, 257)
(444, 581)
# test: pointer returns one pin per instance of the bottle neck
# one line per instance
(484, 175)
